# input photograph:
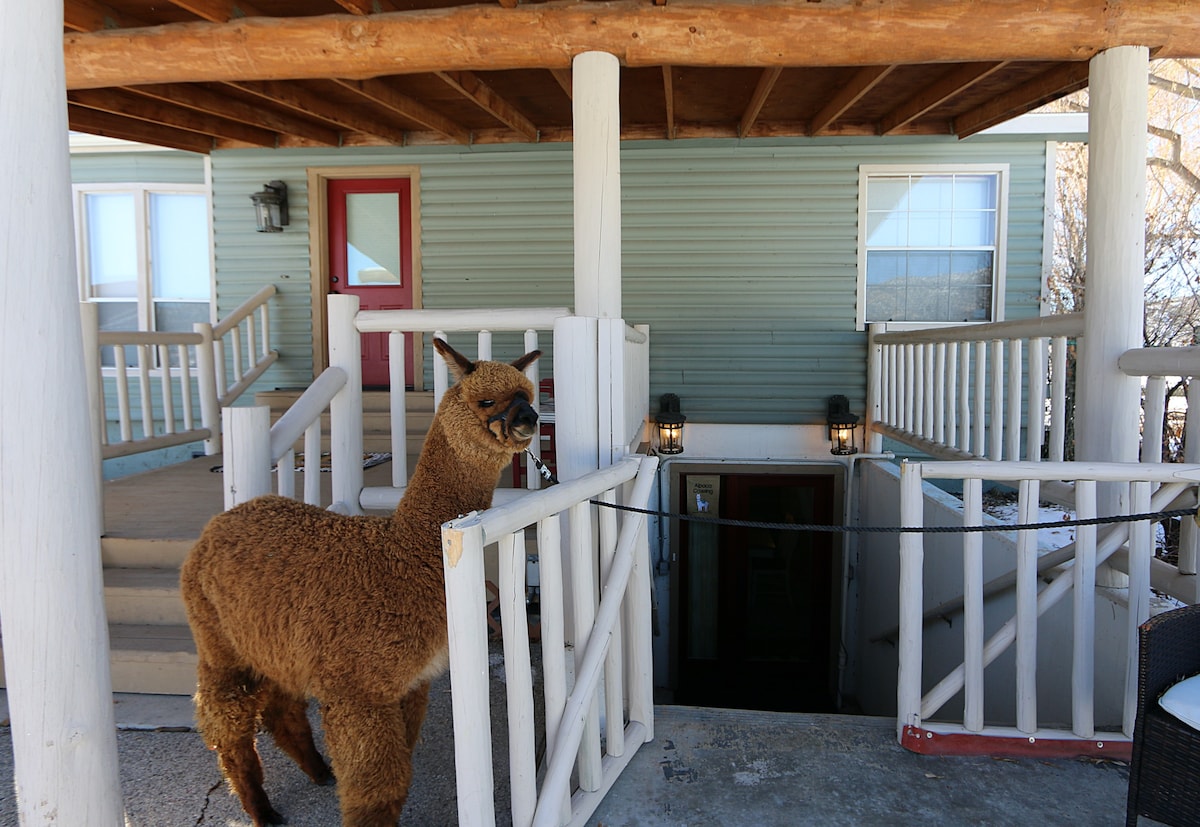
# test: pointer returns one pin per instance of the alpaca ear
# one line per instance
(527, 360)
(460, 365)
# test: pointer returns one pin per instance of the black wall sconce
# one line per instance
(271, 207)
(841, 424)
(670, 425)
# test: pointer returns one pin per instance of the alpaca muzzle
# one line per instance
(518, 420)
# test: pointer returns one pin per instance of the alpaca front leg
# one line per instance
(286, 718)
(227, 714)
(415, 703)
(372, 760)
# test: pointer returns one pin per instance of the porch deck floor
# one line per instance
(704, 768)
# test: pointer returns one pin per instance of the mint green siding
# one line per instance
(741, 256)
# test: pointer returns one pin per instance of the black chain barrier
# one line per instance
(1154, 516)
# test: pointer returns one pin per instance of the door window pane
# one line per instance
(111, 246)
(372, 238)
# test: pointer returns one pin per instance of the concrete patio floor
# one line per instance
(703, 768)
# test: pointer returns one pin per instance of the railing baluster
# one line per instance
(397, 405)
(164, 382)
(996, 418)
(1058, 398)
(1083, 657)
(973, 629)
(145, 357)
(1027, 614)
(1140, 552)
(939, 381)
(554, 650)
(964, 397)
(583, 600)
(1012, 402)
(518, 678)
(125, 415)
(1035, 418)
(979, 423)
(614, 677)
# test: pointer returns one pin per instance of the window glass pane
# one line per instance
(174, 317)
(373, 238)
(931, 192)
(974, 192)
(117, 316)
(888, 193)
(887, 229)
(976, 228)
(179, 246)
(111, 248)
(929, 229)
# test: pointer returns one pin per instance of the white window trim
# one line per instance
(141, 192)
(998, 281)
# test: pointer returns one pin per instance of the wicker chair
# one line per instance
(1164, 775)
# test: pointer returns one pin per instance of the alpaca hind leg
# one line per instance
(227, 713)
(415, 703)
(372, 760)
(285, 716)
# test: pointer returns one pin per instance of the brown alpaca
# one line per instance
(288, 601)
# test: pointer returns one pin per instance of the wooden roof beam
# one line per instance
(935, 95)
(95, 122)
(864, 80)
(303, 100)
(204, 100)
(1050, 85)
(365, 6)
(177, 117)
(697, 33)
(766, 82)
(383, 94)
(470, 86)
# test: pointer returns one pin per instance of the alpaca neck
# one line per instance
(447, 483)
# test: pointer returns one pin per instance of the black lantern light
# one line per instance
(841, 426)
(670, 425)
(271, 207)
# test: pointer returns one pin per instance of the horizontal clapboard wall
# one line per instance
(741, 256)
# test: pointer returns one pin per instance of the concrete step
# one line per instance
(143, 552)
(143, 596)
(152, 659)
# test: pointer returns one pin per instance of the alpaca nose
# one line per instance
(522, 418)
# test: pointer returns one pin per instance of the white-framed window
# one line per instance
(931, 244)
(143, 255)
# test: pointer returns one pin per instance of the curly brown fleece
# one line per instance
(287, 601)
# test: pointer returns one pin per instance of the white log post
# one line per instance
(246, 471)
(1109, 401)
(55, 634)
(596, 155)
(346, 409)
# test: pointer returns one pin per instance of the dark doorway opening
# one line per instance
(755, 606)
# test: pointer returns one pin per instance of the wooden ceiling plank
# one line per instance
(95, 122)
(1050, 85)
(863, 81)
(470, 86)
(302, 100)
(213, 103)
(382, 93)
(165, 114)
(766, 82)
(92, 15)
(935, 95)
(218, 11)
(366, 6)
(669, 99)
(701, 33)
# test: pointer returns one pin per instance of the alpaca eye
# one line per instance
(487, 403)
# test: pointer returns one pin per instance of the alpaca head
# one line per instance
(489, 406)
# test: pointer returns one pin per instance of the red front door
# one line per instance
(370, 256)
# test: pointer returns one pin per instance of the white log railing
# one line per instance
(345, 325)
(614, 650)
(179, 383)
(1176, 483)
(967, 392)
